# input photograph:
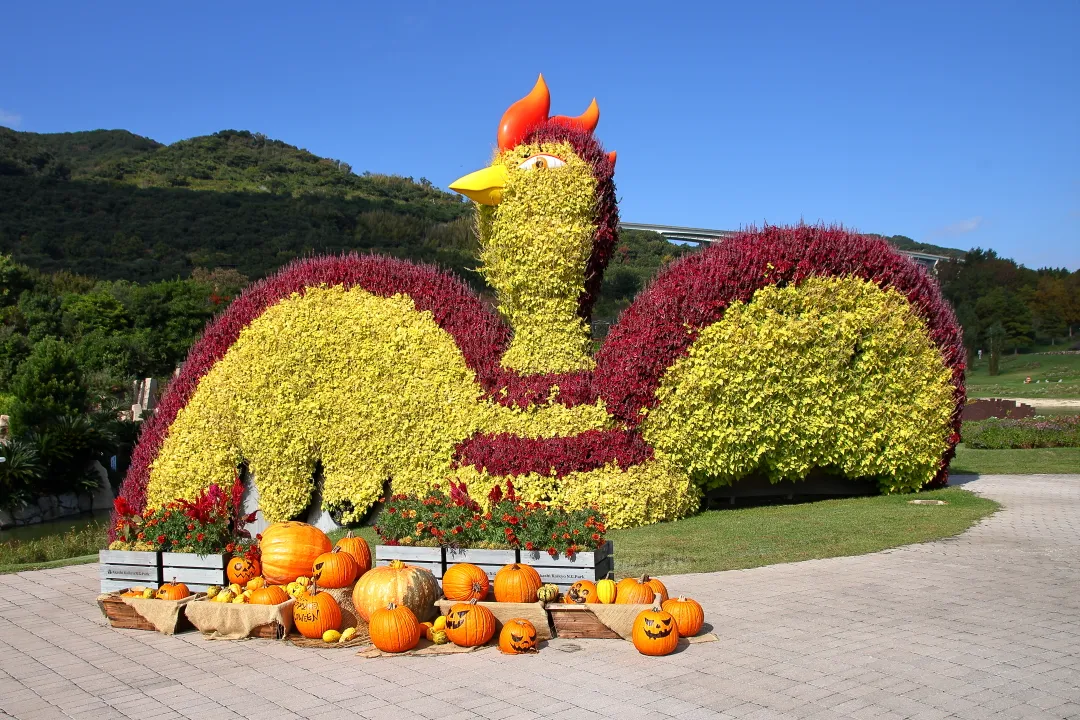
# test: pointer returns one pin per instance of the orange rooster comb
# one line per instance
(585, 121)
(532, 110)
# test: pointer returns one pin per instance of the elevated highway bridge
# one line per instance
(705, 235)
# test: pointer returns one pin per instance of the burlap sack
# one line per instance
(533, 612)
(229, 621)
(164, 615)
(345, 602)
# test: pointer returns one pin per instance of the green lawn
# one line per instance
(714, 540)
(1015, 368)
(77, 545)
(751, 537)
(1019, 462)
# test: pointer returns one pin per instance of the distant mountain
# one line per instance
(902, 242)
(114, 205)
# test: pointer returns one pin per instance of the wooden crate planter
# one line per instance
(125, 617)
(122, 569)
(490, 561)
(562, 570)
(565, 571)
(431, 558)
(594, 621)
(198, 572)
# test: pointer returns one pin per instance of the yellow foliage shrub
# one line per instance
(833, 373)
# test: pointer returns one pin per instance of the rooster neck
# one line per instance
(536, 265)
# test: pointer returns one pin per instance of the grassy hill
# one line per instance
(113, 205)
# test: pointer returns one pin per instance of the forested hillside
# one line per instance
(112, 205)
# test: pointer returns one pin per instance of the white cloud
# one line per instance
(960, 228)
(10, 119)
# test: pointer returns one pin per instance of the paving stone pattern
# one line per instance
(984, 625)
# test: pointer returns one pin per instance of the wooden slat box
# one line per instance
(490, 561)
(503, 611)
(594, 620)
(565, 571)
(425, 557)
(124, 616)
(121, 569)
(198, 572)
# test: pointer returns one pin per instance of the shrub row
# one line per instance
(1036, 432)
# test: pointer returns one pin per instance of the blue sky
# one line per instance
(956, 123)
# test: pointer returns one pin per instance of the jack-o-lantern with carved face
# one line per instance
(582, 592)
(469, 624)
(242, 570)
(655, 632)
(518, 636)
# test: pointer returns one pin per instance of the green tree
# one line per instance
(47, 384)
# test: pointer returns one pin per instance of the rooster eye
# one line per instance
(543, 160)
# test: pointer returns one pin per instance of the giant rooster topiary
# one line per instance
(780, 351)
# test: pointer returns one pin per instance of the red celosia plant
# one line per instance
(457, 520)
(211, 523)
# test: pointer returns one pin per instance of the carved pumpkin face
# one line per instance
(335, 569)
(655, 632)
(581, 592)
(242, 570)
(518, 636)
(469, 624)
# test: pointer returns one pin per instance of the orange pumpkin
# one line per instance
(469, 624)
(335, 569)
(398, 583)
(394, 629)
(581, 592)
(687, 613)
(657, 586)
(465, 581)
(655, 632)
(242, 570)
(289, 549)
(636, 591)
(517, 583)
(172, 591)
(269, 595)
(316, 612)
(358, 548)
(517, 636)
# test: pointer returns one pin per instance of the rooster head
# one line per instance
(547, 221)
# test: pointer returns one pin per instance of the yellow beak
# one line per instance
(484, 186)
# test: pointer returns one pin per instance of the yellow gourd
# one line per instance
(606, 590)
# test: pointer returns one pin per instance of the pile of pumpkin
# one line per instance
(655, 632)
(397, 600)
(168, 591)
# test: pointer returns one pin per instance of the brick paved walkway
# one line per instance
(985, 625)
